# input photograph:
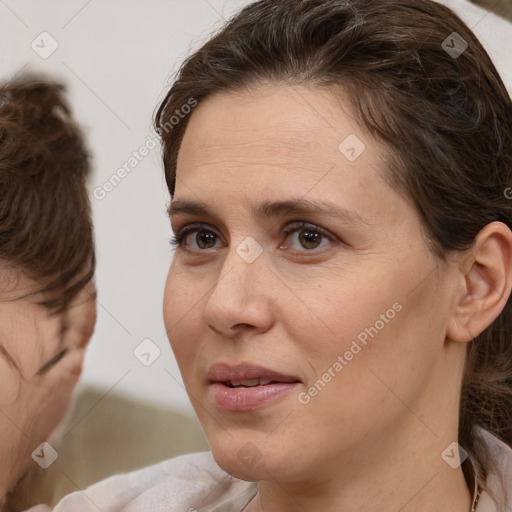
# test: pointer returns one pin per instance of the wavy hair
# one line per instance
(45, 213)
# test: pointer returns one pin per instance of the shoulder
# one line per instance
(498, 458)
(190, 482)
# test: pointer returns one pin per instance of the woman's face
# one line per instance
(301, 266)
(41, 357)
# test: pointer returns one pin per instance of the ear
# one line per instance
(486, 269)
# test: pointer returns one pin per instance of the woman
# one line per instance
(339, 300)
(47, 306)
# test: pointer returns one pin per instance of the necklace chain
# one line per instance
(477, 490)
(475, 498)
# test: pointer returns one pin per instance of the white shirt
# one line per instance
(195, 483)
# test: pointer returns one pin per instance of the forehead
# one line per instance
(15, 284)
(281, 142)
(288, 122)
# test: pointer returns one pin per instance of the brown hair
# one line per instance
(45, 214)
(447, 121)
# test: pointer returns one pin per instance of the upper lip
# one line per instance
(224, 372)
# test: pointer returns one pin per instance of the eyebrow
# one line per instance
(270, 209)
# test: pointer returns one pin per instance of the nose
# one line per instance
(241, 299)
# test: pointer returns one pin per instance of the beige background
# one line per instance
(502, 7)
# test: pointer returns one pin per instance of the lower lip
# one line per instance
(248, 399)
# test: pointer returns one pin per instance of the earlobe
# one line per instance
(487, 272)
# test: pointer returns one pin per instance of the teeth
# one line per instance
(249, 383)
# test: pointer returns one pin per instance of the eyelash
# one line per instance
(52, 362)
(179, 239)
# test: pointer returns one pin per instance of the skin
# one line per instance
(36, 386)
(372, 438)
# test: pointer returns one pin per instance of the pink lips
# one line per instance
(272, 385)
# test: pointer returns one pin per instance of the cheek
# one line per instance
(384, 344)
(53, 394)
(10, 383)
(182, 316)
(356, 323)
(346, 307)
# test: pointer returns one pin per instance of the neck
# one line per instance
(412, 478)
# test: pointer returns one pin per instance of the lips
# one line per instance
(223, 372)
(247, 386)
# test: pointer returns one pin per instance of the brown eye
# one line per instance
(205, 239)
(195, 238)
(310, 239)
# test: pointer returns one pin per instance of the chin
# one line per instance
(248, 460)
(230, 463)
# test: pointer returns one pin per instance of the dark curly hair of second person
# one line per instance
(47, 264)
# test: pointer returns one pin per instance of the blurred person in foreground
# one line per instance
(339, 302)
(47, 263)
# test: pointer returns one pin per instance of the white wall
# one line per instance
(117, 57)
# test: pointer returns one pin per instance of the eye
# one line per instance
(196, 237)
(52, 362)
(310, 237)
